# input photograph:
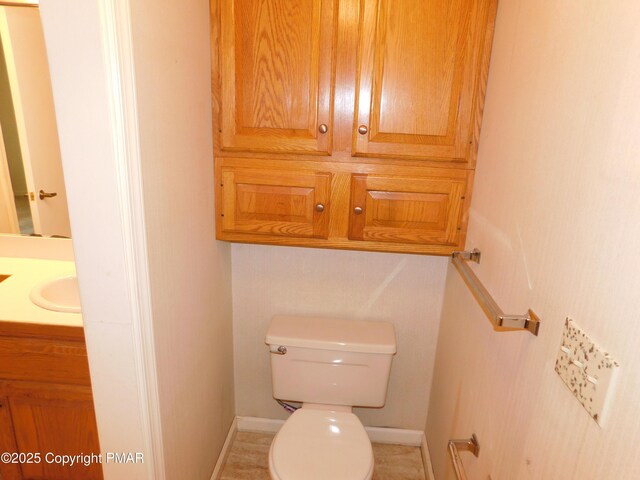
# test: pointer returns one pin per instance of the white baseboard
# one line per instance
(414, 438)
(257, 424)
(396, 436)
(225, 449)
(426, 459)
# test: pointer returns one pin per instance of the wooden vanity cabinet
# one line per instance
(46, 403)
(348, 124)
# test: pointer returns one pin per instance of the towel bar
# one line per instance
(501, 321)
(18, 4)
(469, 445)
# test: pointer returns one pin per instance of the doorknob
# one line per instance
(362, 129)
(323, 128)
(42, 194)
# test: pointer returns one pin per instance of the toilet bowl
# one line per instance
(321, 445)
(330, 365)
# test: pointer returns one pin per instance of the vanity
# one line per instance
(46, 403)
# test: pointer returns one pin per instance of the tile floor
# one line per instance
(248, 459)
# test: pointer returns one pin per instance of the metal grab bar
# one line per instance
(18, 4)
(501, 321)
(469, 445)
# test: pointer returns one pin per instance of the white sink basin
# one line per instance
(60, 295)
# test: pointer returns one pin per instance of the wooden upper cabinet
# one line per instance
(283, 203)
(414, 210)
(349, 124)
(421, 69)
(276, 69)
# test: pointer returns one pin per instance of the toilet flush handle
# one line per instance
(281, 350)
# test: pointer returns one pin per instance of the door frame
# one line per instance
(98, 121)
(8, 210)
(14, 87)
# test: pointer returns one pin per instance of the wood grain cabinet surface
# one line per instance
(46, 404)
(325, 106)
(276, 75)
(291, 204)
(418, 64)
(406, 210)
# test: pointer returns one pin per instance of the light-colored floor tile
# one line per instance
(24, 215)
(397, 462)
(248, 459)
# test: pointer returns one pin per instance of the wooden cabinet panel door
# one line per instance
(276, 68)
(407, 210)
(57, 419)
(276, 203)
(420, 66)
(8, 471)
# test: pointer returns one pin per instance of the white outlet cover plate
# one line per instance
(586, 369)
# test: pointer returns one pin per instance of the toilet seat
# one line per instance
(321, 445)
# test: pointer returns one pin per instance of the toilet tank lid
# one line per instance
(362, 336)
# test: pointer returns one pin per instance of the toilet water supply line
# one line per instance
(288, 407)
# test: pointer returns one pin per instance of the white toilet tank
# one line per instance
(330, 361)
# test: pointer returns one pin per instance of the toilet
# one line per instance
(330, 365)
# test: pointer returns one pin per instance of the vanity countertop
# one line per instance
(26, 273)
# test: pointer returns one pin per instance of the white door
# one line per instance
(8, 213)
(25, 54)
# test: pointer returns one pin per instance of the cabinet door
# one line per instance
(419, 92)
(407, 210)
(57, 419)
(276, 66)
(276, 202)
(8, 471)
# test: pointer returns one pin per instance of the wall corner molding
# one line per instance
(426, 459)
(119, 64)
(226, 448)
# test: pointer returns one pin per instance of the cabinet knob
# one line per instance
(319, 207)
(357, 210)
(362, 129)
(323, 128)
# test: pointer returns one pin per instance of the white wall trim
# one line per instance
(426, 459)
(118, 51)
(224, 453)
(8, 213)
(257, 424)
(395, 436)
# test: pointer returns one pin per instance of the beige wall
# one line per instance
(556, 213)
(190, 271)
(80, 81)
(403, 289)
